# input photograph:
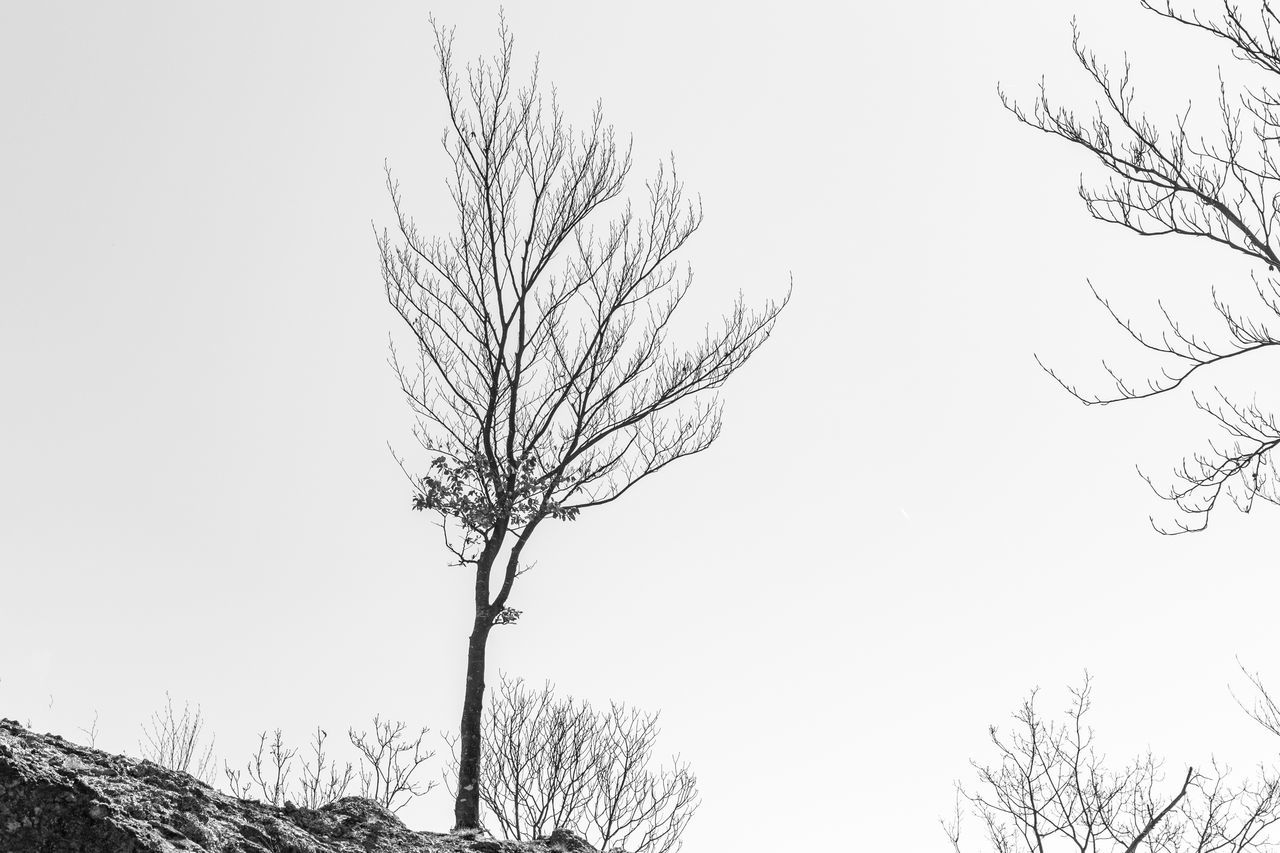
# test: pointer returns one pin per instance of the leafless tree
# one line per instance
(1170, 181)
(323, 780)
(175, 740)
(236, 782)
(537, 760)
(544, 381)
(268, 769)
(390, 757)
(635, 808)
(550, 762)
(91, 731)
(1051, 790)
(388, 760)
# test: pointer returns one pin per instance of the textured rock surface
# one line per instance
(57, 797)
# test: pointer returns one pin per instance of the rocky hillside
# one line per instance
(57, 797)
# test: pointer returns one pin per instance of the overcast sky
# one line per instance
(904, 527)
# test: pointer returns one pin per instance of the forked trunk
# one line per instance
(466, 807)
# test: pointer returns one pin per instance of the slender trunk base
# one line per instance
(466, 807)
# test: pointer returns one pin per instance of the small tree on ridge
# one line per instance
(544, 381)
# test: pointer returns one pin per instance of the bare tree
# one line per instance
(388, 760)
(1171, 181)
(269, 768)
(235, 781)
(1052, 790)
(537, 754)
(175, 740)
(323, 780)
(544, 382)
(550, 763)
(91, 731)
(634, 808)
(390, 757)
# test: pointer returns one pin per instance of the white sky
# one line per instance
(904, 527)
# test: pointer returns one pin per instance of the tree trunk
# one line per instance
(466, 807)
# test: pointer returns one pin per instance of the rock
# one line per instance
(58, 797)
(567, 841)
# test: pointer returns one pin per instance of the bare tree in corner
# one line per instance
(544, 381)
(1171, 181)
(1050, 789)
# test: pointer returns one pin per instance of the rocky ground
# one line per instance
(58, 797)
